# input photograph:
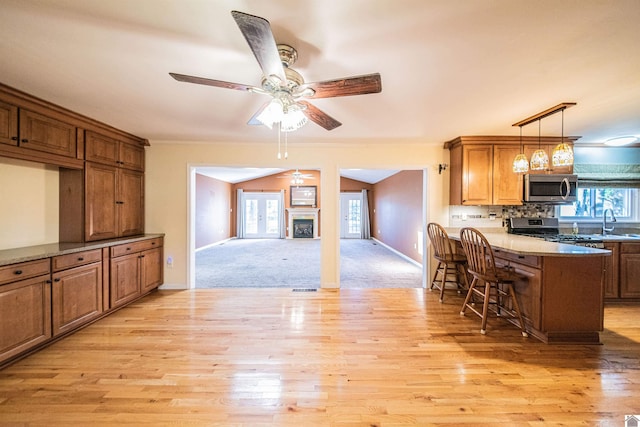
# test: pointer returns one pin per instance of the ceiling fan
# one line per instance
(297, 175)
(289, 93)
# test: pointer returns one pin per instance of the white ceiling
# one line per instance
(448, 67)
(237, 174)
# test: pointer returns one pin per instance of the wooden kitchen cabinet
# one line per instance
(113, 152)
(481, 172)
(629, 270)
(25, 307)
(114, 202)
(43, 133)
(611, 274)
(136, 269)
(8, 124)
(76, 290)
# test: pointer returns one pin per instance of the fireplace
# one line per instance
(302, 228)
(305, 221)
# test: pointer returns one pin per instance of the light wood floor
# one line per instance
(371, 357)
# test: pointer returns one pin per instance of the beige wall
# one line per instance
(168, 181)
(29, 201)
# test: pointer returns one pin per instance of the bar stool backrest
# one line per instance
(442, 248)
(481, 262)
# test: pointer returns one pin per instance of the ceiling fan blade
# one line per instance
(210, 82)
(257, 32)
(359, 85)
(319, 117)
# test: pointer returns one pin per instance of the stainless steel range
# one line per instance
(549, 230)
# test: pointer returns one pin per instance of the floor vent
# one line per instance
(305, 290)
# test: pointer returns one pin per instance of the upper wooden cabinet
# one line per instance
(43, 133)
(8, 124)
(481, 170)
(114, 152)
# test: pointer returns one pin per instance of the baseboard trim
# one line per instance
(220, 242)
(413, 261)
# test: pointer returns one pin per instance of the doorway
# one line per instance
(350, 215)
(262, 213)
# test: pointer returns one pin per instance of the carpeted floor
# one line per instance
(295, 263)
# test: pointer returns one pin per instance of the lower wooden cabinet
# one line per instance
(25, 307)
(44, 299)
(611, 273)
(629, 270)
(76, 292)
(136, 268)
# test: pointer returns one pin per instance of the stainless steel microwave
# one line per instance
(559, 188)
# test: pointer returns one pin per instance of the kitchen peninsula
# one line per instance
(561, 294)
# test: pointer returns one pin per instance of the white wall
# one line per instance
(29, 203)
(167, 183)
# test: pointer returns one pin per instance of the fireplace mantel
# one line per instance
(302, 213)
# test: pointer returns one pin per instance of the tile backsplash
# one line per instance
(495, 216)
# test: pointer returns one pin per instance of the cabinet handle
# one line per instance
(57, 279)
(47, 281)
(17, 272)
(24, 140)
(119, 202)
(128, 249)
(521, 256)
(80, 259)
(14, 138)
(153, 243)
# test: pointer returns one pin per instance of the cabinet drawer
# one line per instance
(133, 247)
(630, 248)
(63, 262)
(530, 260)
(23, 270)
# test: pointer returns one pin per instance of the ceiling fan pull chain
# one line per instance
(279, 155)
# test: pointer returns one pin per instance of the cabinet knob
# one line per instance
(14, 138)
(128, 249)
(47, 281)
(57, 279)
(17, 272)
(24, 140)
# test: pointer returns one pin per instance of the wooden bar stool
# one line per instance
(449, 262)
(498, 281)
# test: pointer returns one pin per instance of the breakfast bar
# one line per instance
(561, 293)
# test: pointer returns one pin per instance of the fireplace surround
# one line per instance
(308, 214)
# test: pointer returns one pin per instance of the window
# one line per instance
(592, 201)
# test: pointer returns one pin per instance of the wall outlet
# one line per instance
(170, 262)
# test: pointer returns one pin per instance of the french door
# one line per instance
(262, 215)
(350, 215)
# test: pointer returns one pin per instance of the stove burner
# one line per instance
(548, 229)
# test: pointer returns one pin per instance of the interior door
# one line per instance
(350, 215)
(262, 215)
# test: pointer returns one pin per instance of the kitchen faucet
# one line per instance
(606, 230)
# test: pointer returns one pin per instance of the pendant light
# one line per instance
(539, 158)
(562, 153)
(520, 163)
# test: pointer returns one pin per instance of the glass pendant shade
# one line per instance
(562, 155)
(539, 160)
(520, 164)
(294, 119)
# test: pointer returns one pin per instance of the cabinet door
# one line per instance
(42, 133)
(125, 279)
(131, 156)
(611, 276)
(101, 149)
(8, 124)
(151, 269)
(507, 185)
(25, 315)
(101, 219)
(76, 296)
(477, 174)
(629, 270)
(130, 201)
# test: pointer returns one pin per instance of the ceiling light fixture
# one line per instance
(539, 158)
(562, 153)
(520, 163)
(621, 140)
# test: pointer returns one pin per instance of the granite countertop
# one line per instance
(32, 253)
(523, 245)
